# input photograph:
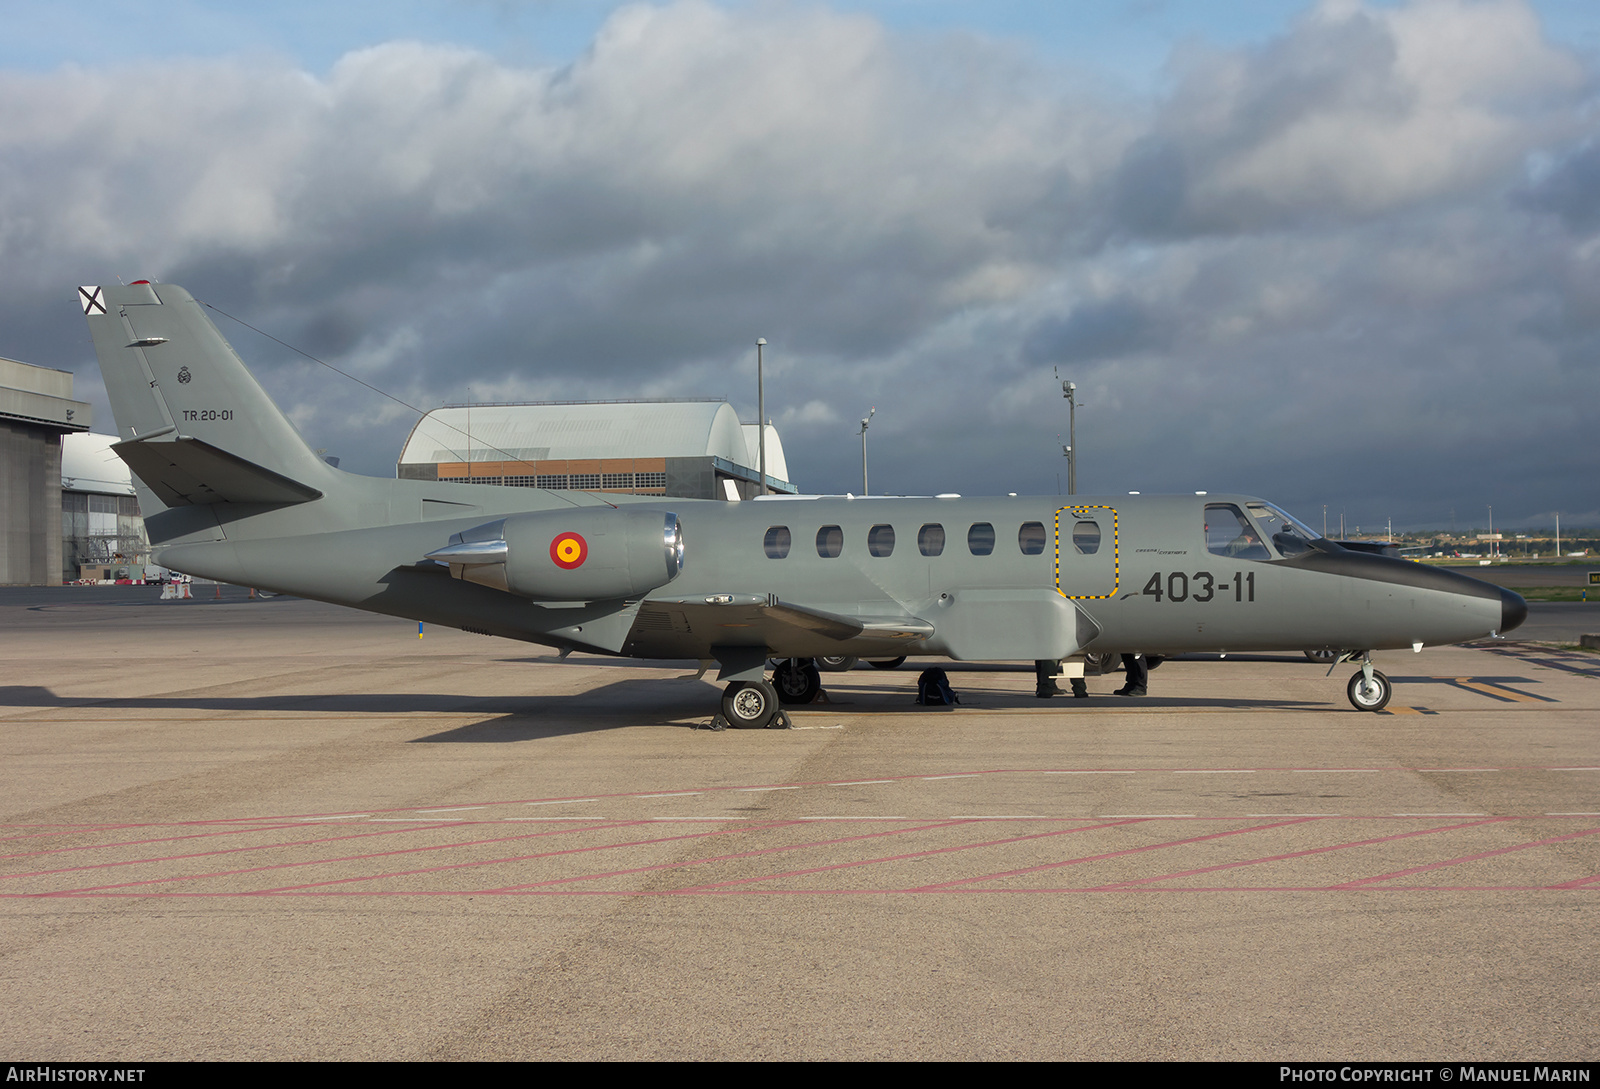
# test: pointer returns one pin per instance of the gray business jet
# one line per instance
(233, 493)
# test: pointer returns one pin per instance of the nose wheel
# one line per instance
(1369, 690)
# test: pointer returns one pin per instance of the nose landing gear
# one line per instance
(1368, 689)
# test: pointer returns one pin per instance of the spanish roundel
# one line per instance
(569, 550)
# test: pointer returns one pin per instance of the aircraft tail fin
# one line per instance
(196, 427)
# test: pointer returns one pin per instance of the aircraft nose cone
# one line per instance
(1513, 611)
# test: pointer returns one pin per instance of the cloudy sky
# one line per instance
(1341, 254)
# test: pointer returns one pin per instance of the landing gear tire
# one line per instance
(887, 663)
(1370, 695)
(1097, 662)
(796, 681)
(838, 663)
(1152, 660)
(1323, 657)
(749, 705)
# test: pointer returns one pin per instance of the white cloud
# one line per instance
(1315, 268)
(1355, 111)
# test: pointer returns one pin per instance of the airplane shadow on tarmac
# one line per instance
(679, 702)
(632, 702)
(637, 701)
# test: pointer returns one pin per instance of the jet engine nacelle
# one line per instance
(584, 554)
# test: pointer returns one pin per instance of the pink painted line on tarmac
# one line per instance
(727, 858)
(1580, 883)
(630, 794)
(1298, 854)
(313, 891)
(1115, 854)
(245, 824)
(59, 830)
(331, 861)
(1466, 858)
(355, 813)
(900, 858)
(286, 844)
(1184, 889)
(115, 826)
(156, 839)
(520, 858)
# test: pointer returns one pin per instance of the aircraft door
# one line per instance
(1088, 552)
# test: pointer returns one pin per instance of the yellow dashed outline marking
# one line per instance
(1116, 556)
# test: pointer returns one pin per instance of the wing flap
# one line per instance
(752, 619)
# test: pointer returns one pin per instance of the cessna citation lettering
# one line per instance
(232, 493)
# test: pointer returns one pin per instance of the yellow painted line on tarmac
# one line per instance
(1495, 690)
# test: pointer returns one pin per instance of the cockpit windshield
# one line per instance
(1288, 534)
(1230, 533)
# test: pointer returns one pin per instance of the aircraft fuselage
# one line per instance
(1000, 578)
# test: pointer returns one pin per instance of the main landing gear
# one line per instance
(750, 705)
(797, 680)
(844, 663)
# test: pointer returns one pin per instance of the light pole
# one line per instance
(866, 420)
(1069, 390)
(761, 414)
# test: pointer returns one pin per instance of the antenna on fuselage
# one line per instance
(865, 421)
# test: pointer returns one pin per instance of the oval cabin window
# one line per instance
(830, 541)
(880, 540)
(1086, 537)
(1031, 538)
(980, 539)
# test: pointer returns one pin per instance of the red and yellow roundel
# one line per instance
(569, 550)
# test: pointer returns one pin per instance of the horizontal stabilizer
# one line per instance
(183, 471)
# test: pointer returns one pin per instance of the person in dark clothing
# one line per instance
(1045, 672)
(1138, 675)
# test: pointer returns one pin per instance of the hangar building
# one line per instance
(693, 449)
(101, 528)
(36, 410)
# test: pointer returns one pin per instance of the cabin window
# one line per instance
(777, 542)
(830, 541)
(930, 539)
(1229, 533)
(880, 540)
(1030, 538)
(980, 539)
(1086, 537)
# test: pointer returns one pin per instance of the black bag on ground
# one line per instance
(933, 688)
